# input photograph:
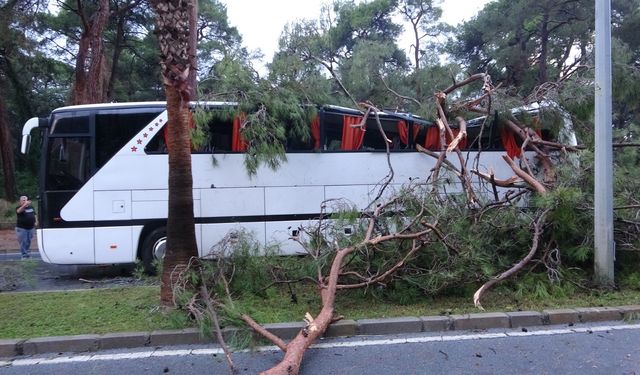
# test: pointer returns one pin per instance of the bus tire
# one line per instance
(153, 249)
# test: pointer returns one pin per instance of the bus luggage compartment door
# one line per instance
(68, 245)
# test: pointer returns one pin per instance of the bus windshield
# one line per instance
(68, 163)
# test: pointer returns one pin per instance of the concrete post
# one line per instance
(603, 196)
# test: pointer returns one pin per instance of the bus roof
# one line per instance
(126, 105)
(334, 109)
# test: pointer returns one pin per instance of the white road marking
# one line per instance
(322, 345)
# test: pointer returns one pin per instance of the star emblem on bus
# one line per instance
(134, 149)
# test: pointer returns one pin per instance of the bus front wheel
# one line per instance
(153, 249)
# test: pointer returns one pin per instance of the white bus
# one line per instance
(104, 170)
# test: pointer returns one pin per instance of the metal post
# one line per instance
(603, 195)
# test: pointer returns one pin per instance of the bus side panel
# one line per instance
(43, 255)
(280, 233)
(232, 202)
(114, 245)
(293, 200)
(112, 205)
(357, 195)
(153, 204)
(212, 234)
(80, 207)
(68, 245)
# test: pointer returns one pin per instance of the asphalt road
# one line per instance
(607, 348)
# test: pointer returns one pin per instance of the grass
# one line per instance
(37, 314)
(78, 312)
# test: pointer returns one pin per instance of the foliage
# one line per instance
(524, 44)
(270, 114)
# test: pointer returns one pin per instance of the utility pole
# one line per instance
(603, 195)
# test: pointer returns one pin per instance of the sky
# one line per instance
(260, 22)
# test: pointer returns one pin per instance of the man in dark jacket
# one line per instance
(25, 225)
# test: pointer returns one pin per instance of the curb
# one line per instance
(286, 331)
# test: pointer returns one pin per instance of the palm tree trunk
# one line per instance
(173, 37)
(181, 237)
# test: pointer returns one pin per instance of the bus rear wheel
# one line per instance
(153, 249)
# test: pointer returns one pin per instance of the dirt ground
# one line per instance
(8, 241)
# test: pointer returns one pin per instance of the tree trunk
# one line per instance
(193, 50)
(181, 236)
(544, 49)
(295, 349)
(117, 50)
(6, 155)
(91, 68)
(173, 38)
(121, 14)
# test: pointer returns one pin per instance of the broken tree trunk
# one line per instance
(328, 286)
(295, 349)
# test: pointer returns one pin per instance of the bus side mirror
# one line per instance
(31, 124)
(26, 143)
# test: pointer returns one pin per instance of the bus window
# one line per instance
(374, 141)
(68, 163)
(115, 129)
(157, 144)
(221, 134)
(303, 142)
(70, 123)
(297, 144)
(218, 133)
(332, 133)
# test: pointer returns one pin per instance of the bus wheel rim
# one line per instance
(159, 248)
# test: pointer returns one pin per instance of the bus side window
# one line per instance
(297, 142)
(115, 129)
(157, 144)
(332, 133)
(374, 140)
(219, 135)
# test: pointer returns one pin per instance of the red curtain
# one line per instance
(509, 143)
(351, 136)
(416, 130)
(432, 140)
(315, 132)
(403, 131)
(237, 142)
